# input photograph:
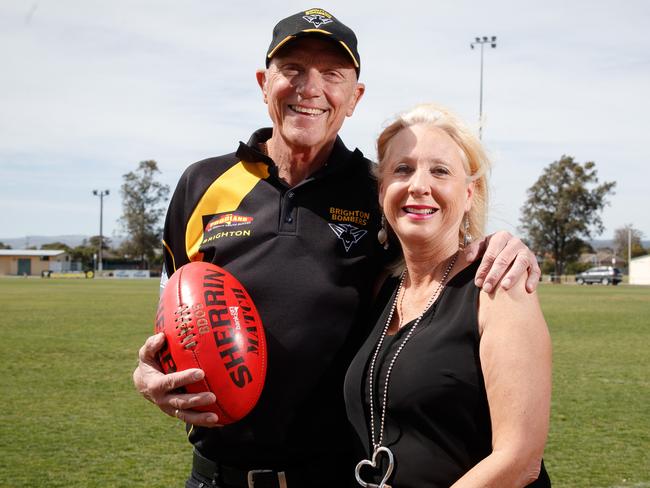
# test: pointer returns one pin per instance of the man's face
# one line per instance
(309, 87)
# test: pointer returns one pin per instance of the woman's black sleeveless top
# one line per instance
(437, 418)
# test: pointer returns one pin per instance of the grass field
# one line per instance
(70, 416)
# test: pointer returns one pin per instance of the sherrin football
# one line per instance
(211, 323)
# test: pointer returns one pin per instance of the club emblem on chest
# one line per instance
(348, 234)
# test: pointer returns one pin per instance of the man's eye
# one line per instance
(332, 75)
(290, 70)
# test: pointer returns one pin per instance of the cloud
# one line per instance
(91, 88)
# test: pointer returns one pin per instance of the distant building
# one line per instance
(602, 257)
(28, 262)
(640, 270)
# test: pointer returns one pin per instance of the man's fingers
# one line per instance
(525, 264)
(201, 419)
(155, 385)
(499, 262)
(148, 375)
(494, 246)
(533, 277)
(518, 269)
(182, 407)
(189, 401)
(173, 381)
(152, 345)
(161, 388)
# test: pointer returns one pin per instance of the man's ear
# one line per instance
(359, 90)
(260, 75)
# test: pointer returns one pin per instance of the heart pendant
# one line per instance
(373, 464)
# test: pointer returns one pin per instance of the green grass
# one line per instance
(70, 416)
(600, 421)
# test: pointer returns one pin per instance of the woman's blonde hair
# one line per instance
(474, 157)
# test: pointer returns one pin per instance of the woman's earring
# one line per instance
(382, 235)
(467, 238)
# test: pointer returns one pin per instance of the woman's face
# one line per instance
(423, 187)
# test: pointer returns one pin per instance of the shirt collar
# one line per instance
(251, 152)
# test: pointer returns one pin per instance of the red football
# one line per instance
(211, 323)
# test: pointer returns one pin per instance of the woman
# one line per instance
(453, 386)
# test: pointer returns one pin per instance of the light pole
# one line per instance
(101, 194)
(482, 41)
(629, 248)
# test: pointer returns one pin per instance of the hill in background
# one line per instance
(38, 241)
(76, 240)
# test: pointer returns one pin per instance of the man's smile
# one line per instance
(306, 110)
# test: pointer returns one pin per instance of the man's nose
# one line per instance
(311, 84)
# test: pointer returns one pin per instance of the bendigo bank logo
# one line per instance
(226, 225)
(227, 220)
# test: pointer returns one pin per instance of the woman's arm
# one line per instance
(515, 355)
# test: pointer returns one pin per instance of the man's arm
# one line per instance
(505, 259)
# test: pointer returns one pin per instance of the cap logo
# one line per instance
(317, 20)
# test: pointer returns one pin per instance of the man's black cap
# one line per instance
(314, 21)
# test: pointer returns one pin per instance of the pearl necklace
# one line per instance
(378, 449)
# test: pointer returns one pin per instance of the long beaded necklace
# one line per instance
(378, 449)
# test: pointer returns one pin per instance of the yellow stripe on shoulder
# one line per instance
(225, 194)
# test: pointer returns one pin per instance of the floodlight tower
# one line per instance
(101, 194)
(629, 248)
(482, 41)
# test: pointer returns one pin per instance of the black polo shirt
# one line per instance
(308, 256)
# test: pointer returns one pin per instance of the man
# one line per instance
(305, 247)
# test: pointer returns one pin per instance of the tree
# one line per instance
(57, 245)
(563, 208)
(621, 241)
(94, 242)
(83, 253)
(143, 206)
(574, 250)
(4, 246)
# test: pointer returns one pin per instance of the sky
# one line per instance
(90, 88)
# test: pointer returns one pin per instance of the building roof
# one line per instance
(31, 252)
